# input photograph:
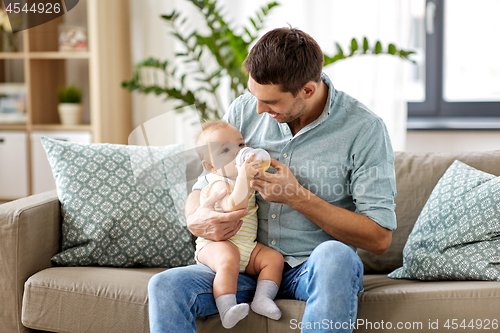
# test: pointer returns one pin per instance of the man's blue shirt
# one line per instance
(344, 157)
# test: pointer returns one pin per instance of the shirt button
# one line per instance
(273, 242)
(285, 155)
(273, 216)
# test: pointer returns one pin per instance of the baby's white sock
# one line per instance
(230, 312)
(263, 303)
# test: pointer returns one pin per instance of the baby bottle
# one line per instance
(260, 154)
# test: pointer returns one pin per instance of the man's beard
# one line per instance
(297, 110)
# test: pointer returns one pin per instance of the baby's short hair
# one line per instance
(207, 127)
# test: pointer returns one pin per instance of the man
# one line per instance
(333, 191)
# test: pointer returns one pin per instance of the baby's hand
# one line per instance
(249, 168)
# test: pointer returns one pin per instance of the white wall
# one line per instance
(446, 141)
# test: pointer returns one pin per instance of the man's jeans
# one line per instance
(328, 281)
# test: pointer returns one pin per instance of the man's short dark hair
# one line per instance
(287, 57)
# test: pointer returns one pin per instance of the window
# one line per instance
(457, 83)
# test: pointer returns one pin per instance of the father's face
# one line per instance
(279, 105)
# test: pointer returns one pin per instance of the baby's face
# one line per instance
(225, 143)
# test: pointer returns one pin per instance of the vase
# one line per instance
(70, 113)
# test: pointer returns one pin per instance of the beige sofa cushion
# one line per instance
(413, 301)
(416, 176)
(88, 299)
(97, 299)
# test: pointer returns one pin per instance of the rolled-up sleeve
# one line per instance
(373, 179)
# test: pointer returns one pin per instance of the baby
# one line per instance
(218, 145)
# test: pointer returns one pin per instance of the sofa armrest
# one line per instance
(30, 233)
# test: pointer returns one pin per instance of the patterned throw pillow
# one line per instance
(119, 208)
(457, 235)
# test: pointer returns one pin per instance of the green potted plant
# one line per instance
(70, 108)
(226, 48)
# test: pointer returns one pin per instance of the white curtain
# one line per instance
(150, 38)
(377, 81)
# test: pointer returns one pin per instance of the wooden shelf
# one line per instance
(12, 55)
(59, 55)
(13, 127)
(59, 127)
(99, 73)
(45, 55)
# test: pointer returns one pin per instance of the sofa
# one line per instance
(35, 295)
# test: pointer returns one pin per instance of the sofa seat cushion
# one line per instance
(98, 299)
(88, 299)
(425, 302)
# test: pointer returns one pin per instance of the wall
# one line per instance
(445, 141)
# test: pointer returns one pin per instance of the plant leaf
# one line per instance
(169, 17)
(365, 45)
(253, 23)
(392, 49)
(339, 49)
(354, 45)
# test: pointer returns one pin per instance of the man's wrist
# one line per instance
(302, 197)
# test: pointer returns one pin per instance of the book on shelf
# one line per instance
(13, 103)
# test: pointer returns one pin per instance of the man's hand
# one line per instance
(207, 223)
(281, 187)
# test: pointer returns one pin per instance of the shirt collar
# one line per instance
(329, 101)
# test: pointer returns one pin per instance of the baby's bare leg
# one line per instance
(268, 264)
(224, 259)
